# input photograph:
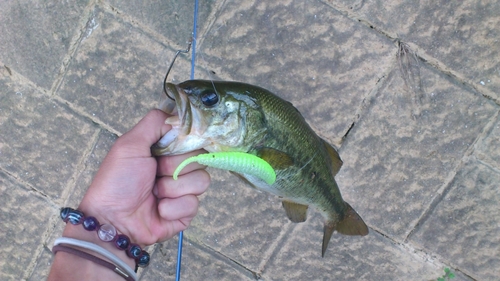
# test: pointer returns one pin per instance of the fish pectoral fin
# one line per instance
(352, 224)
(294, 211)
(279, 160)
(334, 157)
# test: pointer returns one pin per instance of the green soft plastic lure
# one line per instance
(239, 162)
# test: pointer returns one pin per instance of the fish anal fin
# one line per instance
(294, 211)
(352, 224)
(334, 157)
(279, 160)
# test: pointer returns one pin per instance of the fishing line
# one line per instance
(172, 64)
(210, 76)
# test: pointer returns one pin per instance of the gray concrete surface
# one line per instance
(421, 157)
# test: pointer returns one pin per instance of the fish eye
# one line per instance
(209, 98)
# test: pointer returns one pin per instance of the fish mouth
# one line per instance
(180, 120)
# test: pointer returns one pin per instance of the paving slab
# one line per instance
(42, 140)
(117, 72)
(198, 263)
(487, 148)
(43, 263)
(373, 257)
(422, 174)
(395, 161)
(36, 36)
(463, 227)
(23, 219)
(304, 51)
(171, 19)
(461, 34)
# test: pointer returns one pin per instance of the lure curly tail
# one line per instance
(239, 162)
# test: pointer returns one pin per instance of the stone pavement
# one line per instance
(409, 91)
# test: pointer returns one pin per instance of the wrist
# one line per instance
(66, 266)
(77, 232)
(106, 215)
(104, 235)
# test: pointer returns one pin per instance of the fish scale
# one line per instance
(305, 148)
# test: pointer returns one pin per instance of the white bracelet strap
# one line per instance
(97, 249)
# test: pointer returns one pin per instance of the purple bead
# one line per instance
(144, 259)
(75, 217)
(134, 251)
(106, 232)
(122, 242)
(90, 223)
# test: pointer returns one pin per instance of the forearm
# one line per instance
(70, 267)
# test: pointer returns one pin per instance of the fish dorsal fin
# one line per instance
(294, 211)
(279, 160)
(334, 157)
(352, 224)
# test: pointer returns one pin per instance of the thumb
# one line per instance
(145, 133)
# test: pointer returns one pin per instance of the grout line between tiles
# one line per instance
(22, 80)
(80, 112)
(31, 187)
(83, 26)
(365, 104)
(29, 270)
(422, 254)
(158, 37)
(80, 167)
(420, 53)
(275, 247)
(454, 75)
(136, 23)
(211, 19)
(447, 185)
(223, 258)
(488, 165)
(151, 33)
(51, 224)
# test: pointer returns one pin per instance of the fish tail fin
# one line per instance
(352, 224)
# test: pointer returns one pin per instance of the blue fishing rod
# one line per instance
(191, 44)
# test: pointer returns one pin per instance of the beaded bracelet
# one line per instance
(107, 233)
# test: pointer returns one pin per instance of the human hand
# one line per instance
(136, 193)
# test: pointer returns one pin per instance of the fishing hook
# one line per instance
(172, 64)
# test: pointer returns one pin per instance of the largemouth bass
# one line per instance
(221, 116)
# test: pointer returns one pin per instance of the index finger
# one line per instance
(148, 131)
